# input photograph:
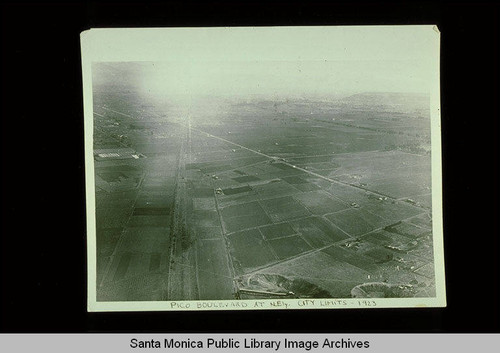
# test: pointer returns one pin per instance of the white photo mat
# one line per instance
(291, 67)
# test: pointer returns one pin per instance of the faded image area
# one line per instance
(262, 179)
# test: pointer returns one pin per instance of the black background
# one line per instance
(43, 251)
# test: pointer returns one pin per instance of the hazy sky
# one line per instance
(281, 61)
(273, 78)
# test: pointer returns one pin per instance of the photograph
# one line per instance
(202, 176)
(263, 168)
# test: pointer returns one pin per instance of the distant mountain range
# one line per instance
(388, 98)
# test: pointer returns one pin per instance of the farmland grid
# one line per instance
(183, 269)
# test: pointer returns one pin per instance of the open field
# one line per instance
(261, 198)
